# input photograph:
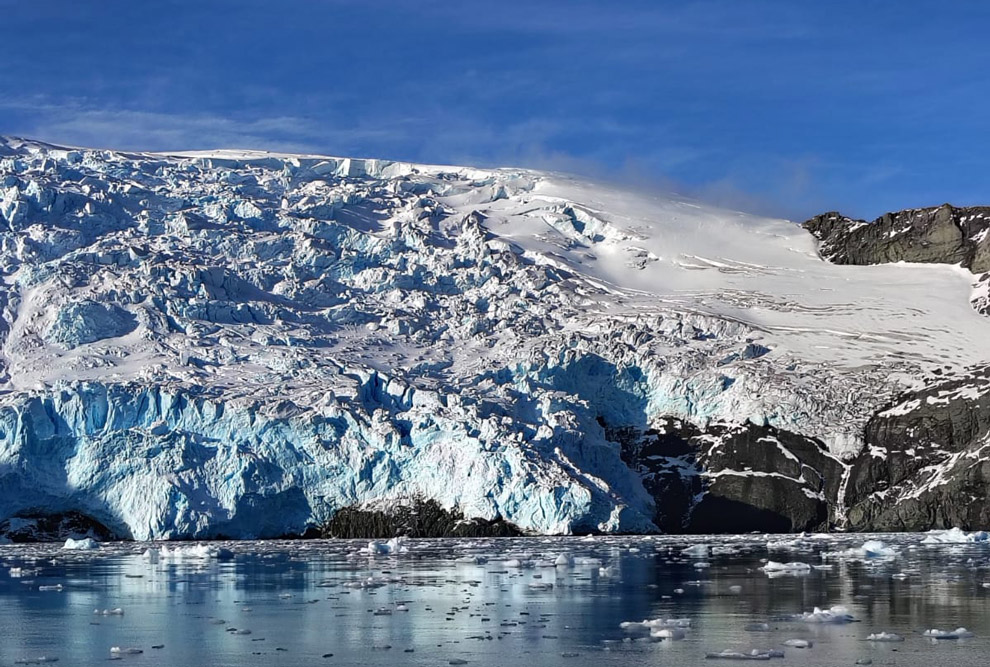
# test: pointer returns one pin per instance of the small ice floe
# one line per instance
(564, 560)
(871, 550)
(798, 643)
(797, 544)
(370, 582)
(958, 633)
(396, 545)
(606, 571)
(698, 550)
(653, 627)
(119, 650)
(757, 627)
(151, 555)
(885, 637)
(56, 587)
(754, 654)
(836, 615)
(194, 552)
(702, 565)
(109, 612)
(85, 544)
(668, 634)
(900, 576)
(540, 586)
(955, 536)
(471, 560)
(773, 568)
(40, 660)
(520, 563)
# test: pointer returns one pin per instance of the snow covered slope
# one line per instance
(243, 343)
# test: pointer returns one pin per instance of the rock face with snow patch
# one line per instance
(940, 235)
(943, 235)
(927, 460)
(736, 478)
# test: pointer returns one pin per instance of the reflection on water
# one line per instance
(329, 602)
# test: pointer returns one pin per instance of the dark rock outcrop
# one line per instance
(733, 478)
(944, 235)
(927, 461)
(44, 527)
(415, 518)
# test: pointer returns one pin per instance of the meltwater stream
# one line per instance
(506, 602)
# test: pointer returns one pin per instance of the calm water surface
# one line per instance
(327, 603)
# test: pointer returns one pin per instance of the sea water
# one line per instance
(508, 602)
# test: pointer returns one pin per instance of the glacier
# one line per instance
(240, 344)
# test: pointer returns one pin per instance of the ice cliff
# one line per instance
(243, 344)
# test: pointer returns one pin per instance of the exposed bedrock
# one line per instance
(731, 478)
(944, 234)
(927, 460)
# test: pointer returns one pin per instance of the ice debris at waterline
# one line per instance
(753, 654)
(958, 633)
(955, 536)
(244, 344)
(84, 544)
(871, 549)
(462, 600)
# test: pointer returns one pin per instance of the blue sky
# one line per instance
(786, 107)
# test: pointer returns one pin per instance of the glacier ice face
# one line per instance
(241, 344)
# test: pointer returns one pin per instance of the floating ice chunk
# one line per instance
(702, 565)
(871, 549)
(798, 643)
(36, 661)
(588, 562)
(758, 627)
(654, 626)
(109, 612)
(955, 536)
(700, 550)
(836, 615)
(194, 552)
(735, 590)
(519, 563)
(671, 634)
(396, 545)
(56, 587)
(85, 544)
(564, 560)
(773, 567)
(151, 555)
(752, 655)
(958, 633)
(472, 560)
(885, 637)
(117, 650)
